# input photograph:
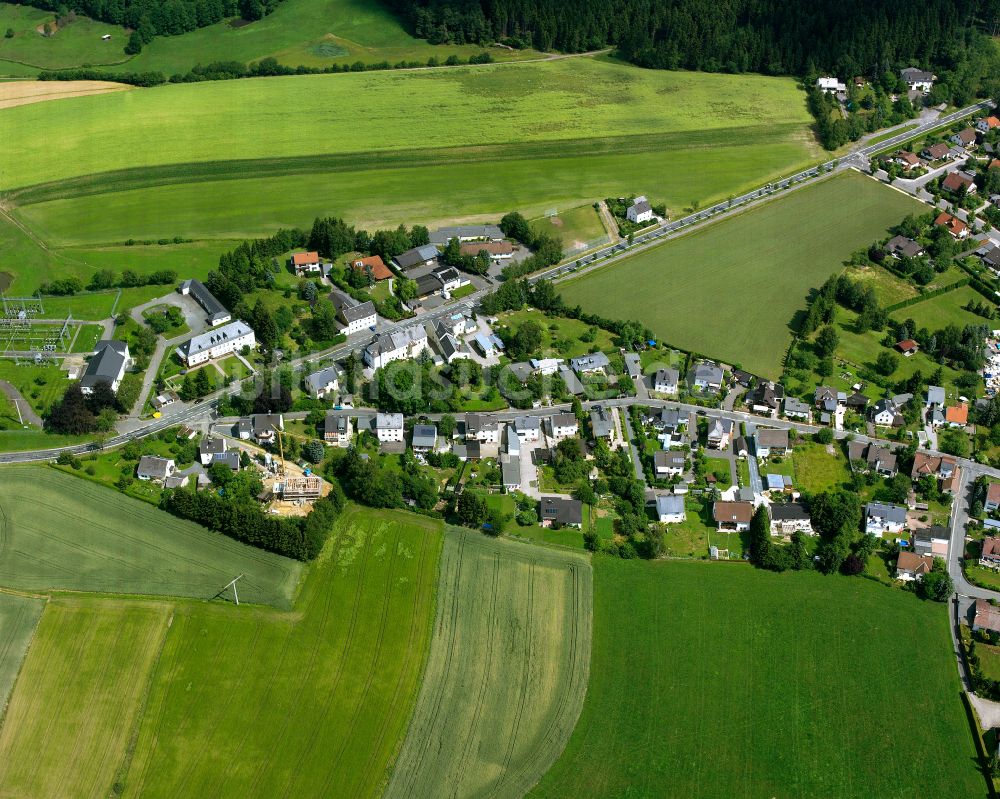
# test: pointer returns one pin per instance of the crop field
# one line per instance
(18, 618)
(65, 532)
(23, 92)
(731, 290)
(254, 703)
(716, 680)
(74, 708)
(507, 671)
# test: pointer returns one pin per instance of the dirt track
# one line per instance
(22, 92)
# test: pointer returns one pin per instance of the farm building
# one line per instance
(217, 313)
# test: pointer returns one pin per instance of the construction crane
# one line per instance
(281, 452)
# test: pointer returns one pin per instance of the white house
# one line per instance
(528, 428)
(424, 438)
(732, 517)
(790, 518)
(451, 279)
(639, 211)
(771, 442)
(323, 382)
(830, 85)
(107, 365)
(337, 429)
(665, 381)
(482, 428)
(917, 79)
(594, 362)
(155, 469)
(719, 433)
(215, 310)
(216, 343)
(209, 448)
(910, 566)
(306, 263)
(668, 464)
(670, 508)
(545, 366)
(355, 316)
(389, 426)
(564, 425)
(882, 518)
(396, 346)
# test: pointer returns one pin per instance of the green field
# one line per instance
(579, 228)
(507, 671)
(250, 702)
(716, 680)
(731, 290)
(66, 533)
(945, 309)
(74, 708)
(77, 43)
(18, 619)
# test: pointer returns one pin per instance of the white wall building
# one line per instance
(396, 346)
(217, 343)
(564, 425)
(389, 426)
(639, 211)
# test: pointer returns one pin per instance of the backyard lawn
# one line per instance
(579, 228)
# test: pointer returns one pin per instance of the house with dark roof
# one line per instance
(668, 464)
(796, 409)
(932, 541)
(639, 211)
(210, 447)
(323, 382)
(788, 518)
(155, 469)
(665, 381)
(593, 362)
(230, 460)
(765, 397)
(217, 343)
(354, 315)
(871, 457)
(264, 426)
(564, 425)
(107, 365)
(337, 429)
(602, 422)
(902, 247)
(918, 80)
(560, 512)
(883, 517)
(720, 432)
(426, 255)
(215, 310)
(769, 441)
(424, 438)
(884, 413)
(706, 377)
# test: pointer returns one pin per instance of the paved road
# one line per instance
(28, 415)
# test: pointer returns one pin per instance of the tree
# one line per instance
(936, 585)
(134, 44)
(886, 363)
(833, 512)
(264, 327)
(760, 536)
(71, 414)
(826, 342)
(313, 451)
(823, 436)
(471, 509)
(324, 321)
(202, 383)
(446, 426)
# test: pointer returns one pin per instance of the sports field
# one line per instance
(507, 671)
(64, 532)
(18, 617)
(731, 290)
(250, 702)
(74, 708)
(715, 680)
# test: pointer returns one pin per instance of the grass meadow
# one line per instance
(715, 680)
(945, 309)
(248, 702)
(66, 533)
(507, 671)
(19, 616)
(74, 707)
(75, 44)
(731, 290)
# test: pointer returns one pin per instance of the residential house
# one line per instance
(959, 182)
(790, 518)
(426, 255)
(602, 422)
(443, 235)
(564, 425)
(323, 382)
(528, 428)
(884, 413)
(573, 384)
(497, 250)
(941, 466)
(373, 266)
(449, 345)
(902, 247)
(513, 442)
(639, 211)
(770, 441)
(964, 138)
(936, 152)
(986, 124)
(424, 438)
(987, 617)
(451, 279)
(882, 518)
(633, 365)
(742, 378)
(337, 429)
(264, 426)
(907, 160)
(510, 472)
(670, 425)
(669, 464)
(665, 381)
(485, 344)
(215, 310)
(354, 315)
(243, 429)
(560, 512)
(830, 85)
(720, 432)
(230, 460)
(931, 541)
(306, 263)
(991, 257)
(670, 508)
(389, 427)
(107, 365)
(741, 449)
(797, 409)
(856, 402)
(955, 226)
(397, 345)
(992, 502)
(957, 415)
(990, 554)
(935, 397)
(910, 566)
(827, 399)
(871, 457)
(545, 366)
(733, 517)
(482, 427)
(155, 469)
(918, 80)
(209, 447)
(594, 362)
(908, 347)
(766, 397)
(707, 378)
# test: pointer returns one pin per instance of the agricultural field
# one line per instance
(68, 533)
(78, 697)
(196, 186)
(19, 616)
(758, 274)
(507, 671)
(703, 683)
(248, 702)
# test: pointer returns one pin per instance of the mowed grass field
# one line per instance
(731, 290)
(253, 703)
(507, 672)
(64, 532)
(946, 309)
(74, 708)
(77, 43)
(18, 618)
(722, 681)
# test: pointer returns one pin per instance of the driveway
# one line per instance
(194, 315)
(28, 415)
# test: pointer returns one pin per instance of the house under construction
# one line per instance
(294, 488)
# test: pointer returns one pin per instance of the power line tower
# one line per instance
(232, 584)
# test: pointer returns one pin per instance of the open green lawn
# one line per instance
(249, 702)
(731, 290)
(945, 309)
(507, 671)
(888, 288)
(79, 42)
(75, 706)
(579, 228)
(561, 336)
(718, 680)
(819, 467)
(67, 533)
(18, 617)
